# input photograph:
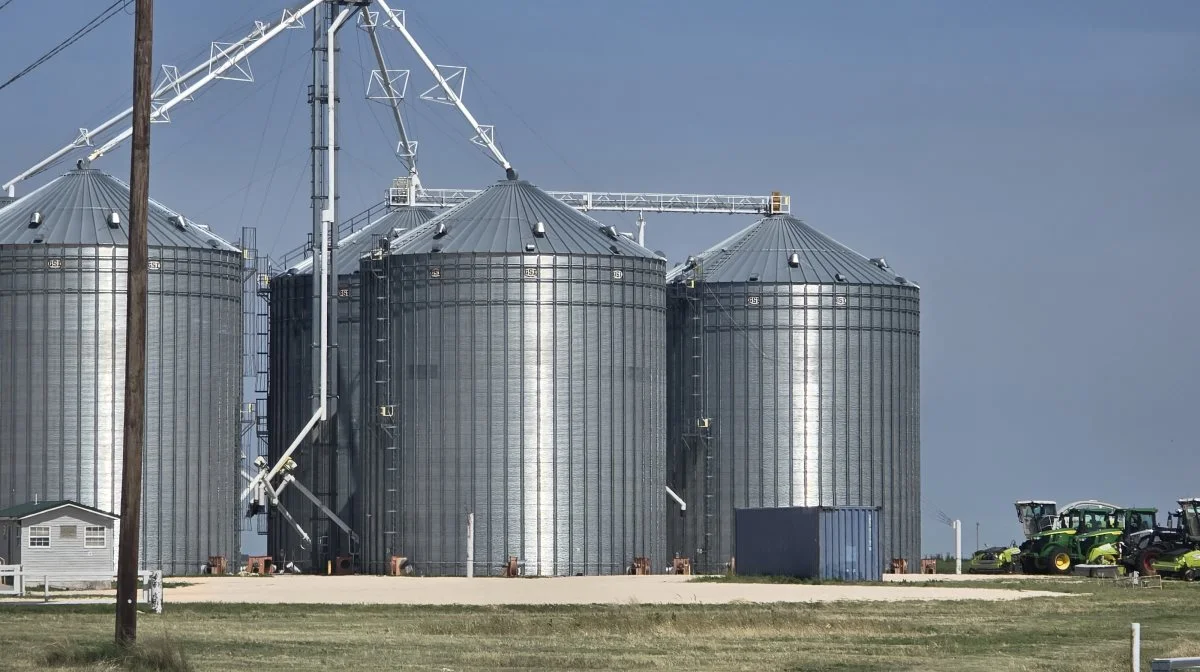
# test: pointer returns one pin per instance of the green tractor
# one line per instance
(1084, 533)
(1181, 556)
(994, 560)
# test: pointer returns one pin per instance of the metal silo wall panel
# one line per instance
(63, 349)
(532, 402)
(814, 402)
(323, 460)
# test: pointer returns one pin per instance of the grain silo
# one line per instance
(326, 463)
(793, 380)
(63, 252)
(521, 378)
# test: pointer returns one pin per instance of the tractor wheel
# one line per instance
(1058, 561)
(1028, 564)
(1189, 574)
(1146, 559)
(1010, 568)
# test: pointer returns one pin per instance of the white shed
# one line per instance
(59, 538)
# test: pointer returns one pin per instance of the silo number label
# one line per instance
(435, 272)
(154, 264)
(54, 263)
(343, 292)
(839, 300)
(618, 274)
(753, 300)
(531, 272)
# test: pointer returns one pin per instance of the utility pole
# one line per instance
(977, 537)
(134, 431)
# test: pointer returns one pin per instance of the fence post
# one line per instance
(46, 588)
(1136, 653)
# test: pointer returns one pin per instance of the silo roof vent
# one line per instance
(114, 220)
(610, 231)
(794, 260)
(178, 222)
(839, 277)
(35, 220)
(880, 262)
(539, 230)
(441, 230)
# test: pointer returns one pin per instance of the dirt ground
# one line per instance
(665, 589)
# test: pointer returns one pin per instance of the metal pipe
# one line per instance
(488, 141)
(470, 545)
(213, 74)
(410, 161)
(312, 422)
(677, 498)
(10, 186)
(329, 215)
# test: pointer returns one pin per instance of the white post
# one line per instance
(958, 547)
(470, 545)
(1136, 656)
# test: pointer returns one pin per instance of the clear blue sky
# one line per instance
(1032, 165)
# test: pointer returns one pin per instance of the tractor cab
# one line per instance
(1189, 513)
(1093, 527)
(1139, 520)
(1036, 516)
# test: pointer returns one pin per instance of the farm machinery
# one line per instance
(1176, 553)
(1087, 532)
(994, 560)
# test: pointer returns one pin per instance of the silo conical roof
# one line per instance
(75, 210)
(763, 252)
(511, 215)
(351, 248)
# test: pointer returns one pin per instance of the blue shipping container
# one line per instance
(809, 542)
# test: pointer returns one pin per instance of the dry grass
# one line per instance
(155, 654)
(1089, 631)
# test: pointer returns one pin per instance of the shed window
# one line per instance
(94, 537)
(39, 536)
(67, 531)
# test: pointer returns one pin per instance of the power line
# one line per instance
(5, 3)
(88, 27)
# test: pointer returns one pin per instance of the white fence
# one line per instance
(14, 582)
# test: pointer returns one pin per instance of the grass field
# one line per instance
(1087, 631)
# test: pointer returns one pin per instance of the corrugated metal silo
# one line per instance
(793, 380)
(521, 378)
(326, 467)
(63, 252)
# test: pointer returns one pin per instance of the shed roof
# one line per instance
(22, 511)
(74, 210)
(763, 252)
(509, 217)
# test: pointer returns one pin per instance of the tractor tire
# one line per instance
(1145, 560)
(1058, 561)
(1028, 565)
(1189, 574)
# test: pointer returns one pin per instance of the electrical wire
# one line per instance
(262, 137)
(111, 11)
(5, 3)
